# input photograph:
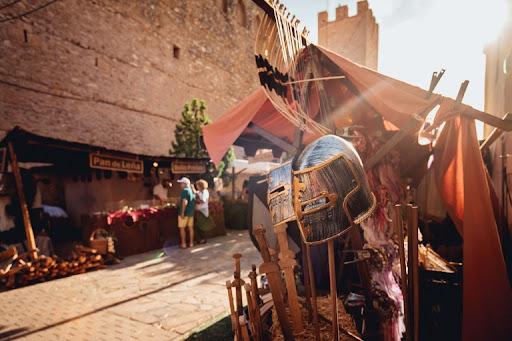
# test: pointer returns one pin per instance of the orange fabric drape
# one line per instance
(395, 100)
(221, 134)
(464, 186)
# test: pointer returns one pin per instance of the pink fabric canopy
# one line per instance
(396, 101)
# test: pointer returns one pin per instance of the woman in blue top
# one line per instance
(186, 210)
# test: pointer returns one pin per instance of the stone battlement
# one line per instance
(355, 37)
(363, 9)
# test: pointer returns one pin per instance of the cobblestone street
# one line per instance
(152, 296)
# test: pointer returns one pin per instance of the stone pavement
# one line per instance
(159, 295)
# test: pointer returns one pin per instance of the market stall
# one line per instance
(383, 117)
(84, 189)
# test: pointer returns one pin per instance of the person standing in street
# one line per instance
(186, 210)
(161, 191)
(203, 222)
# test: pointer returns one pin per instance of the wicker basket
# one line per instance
(98, 240)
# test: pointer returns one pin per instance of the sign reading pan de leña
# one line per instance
(115, 163)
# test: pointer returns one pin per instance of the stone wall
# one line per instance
(355, 37)
(116, 73)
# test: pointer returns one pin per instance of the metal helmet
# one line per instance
(330, 189)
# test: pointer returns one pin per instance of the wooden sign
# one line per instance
(115, 163)
(188, 167)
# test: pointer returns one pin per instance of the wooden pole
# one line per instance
(250, 309)
(312, 284)
(234, 318)
(496, 132)
(238, 283)
(29, 232)
(307, 284)
(256, 302)
(233, 178)
(397, 221)
(413, 282)
(254, 284)
(334, 293)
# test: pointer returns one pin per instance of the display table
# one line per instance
(145, 229)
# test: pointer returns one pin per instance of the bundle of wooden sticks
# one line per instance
(24, 271)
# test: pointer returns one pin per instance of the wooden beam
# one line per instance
(504, 124)
(497, 132)
(29, 232)
(290, 149)
(413, 122)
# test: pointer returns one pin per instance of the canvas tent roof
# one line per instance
(460, 174)
(396, 101)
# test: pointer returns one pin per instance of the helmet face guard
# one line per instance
(330, 190)
(279, 194)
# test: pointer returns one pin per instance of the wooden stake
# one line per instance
(397, 222)
(256, 300)
(243, 326)
(29, 232)
(234, 318)
(273, 272)
(288, 263)
(334, 294)
(250, 307)
(307, 285)
(238, 283)
(312, 284)
(254, 311)
(413, 282)
(254, 284)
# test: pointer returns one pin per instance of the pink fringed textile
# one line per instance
(384, 180)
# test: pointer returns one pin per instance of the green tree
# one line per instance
(188, 137)
(188, 133)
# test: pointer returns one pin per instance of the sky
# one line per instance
(418, 37)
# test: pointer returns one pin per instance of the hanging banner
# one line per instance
(115, 163)
(188, 167)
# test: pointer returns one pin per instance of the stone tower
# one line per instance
(355, 37)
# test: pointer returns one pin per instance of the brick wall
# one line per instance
(355, 37)
(116, 73)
